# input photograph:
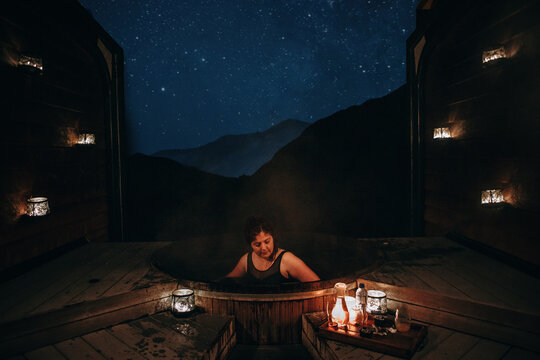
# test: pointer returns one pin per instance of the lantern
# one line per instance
(340, 312)
(494, 196)
(86, 139)
(183, 302)
(441, 133)
(31, 62)
(493, 54)
(376, 302)
(37, 206)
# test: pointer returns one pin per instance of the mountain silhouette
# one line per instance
(237, 155)
(347, 174)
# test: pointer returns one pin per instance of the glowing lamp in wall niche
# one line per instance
(494, 196)
(37, 206)
(441, 133)
(493, 54)
(32, 62)
(86, 139)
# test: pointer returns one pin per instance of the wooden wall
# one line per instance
(42, 113)
(493, 111)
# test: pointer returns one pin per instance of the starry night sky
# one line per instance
(198, 70)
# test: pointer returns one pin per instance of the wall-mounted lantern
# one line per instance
(493, 54)
(441, 133)
(86, 139)
(37, 206)
(31, 62)
(494, 196)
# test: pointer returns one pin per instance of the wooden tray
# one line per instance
(402, 344)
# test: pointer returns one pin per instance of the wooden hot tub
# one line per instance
(266, 314)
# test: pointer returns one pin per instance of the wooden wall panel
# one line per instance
(43, 113)
(493, 112)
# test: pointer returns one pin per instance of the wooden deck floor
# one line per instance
(100, 271)
(440, 343)
(94, 271)
(159, 336)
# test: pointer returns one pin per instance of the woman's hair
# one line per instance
(256, 224)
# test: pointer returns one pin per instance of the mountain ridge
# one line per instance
(237, 155)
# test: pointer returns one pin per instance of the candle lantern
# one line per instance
(31, 62)
(37, 206)
(86, 139)
(183, 302)
(376, 302)
(493, 54)
(441, 133)
(494, 196)
(340, 312)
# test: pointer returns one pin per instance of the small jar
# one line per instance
(183, 302)
(376, 302)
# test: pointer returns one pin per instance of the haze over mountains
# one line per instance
(347, 174)
(237, 155)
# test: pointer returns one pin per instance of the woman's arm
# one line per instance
(298, 269)
(240, 269)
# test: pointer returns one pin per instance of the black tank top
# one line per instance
(270, 276)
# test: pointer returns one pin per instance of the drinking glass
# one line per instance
(403, 318)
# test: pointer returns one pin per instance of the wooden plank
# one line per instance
(66, 277)
(136, 276)
(462, 307)
(398, 344)
(429, 276)
(110, 347)
(77, 348)
(83, 280)
(310, 347)
(33, 281)
(486, 350)
(453, 347)
(45, 353)
(481, 271)
(435, 336)
(463, 283)
(83, 318)
(521, 354)
(112, 274)
(410, 279)
(489, 330)
(182, 339)
(146, 340)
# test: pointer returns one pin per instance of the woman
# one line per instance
(266, 263)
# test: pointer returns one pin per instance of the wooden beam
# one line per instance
(36, 331)
(493, 322)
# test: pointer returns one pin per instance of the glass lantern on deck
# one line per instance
(376, 302)
(183, 302)
(340, 312)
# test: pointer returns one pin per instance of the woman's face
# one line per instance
(263, 245)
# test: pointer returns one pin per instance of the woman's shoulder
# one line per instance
(288, 256)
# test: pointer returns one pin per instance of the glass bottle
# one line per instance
(361, 302)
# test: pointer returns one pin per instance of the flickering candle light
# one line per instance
(441, 133)
(376, 302)
(183, 301)
(494, 196)
(493, 54)
(37, 206)
(340, 312)
(34, 62)
(86, 139)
